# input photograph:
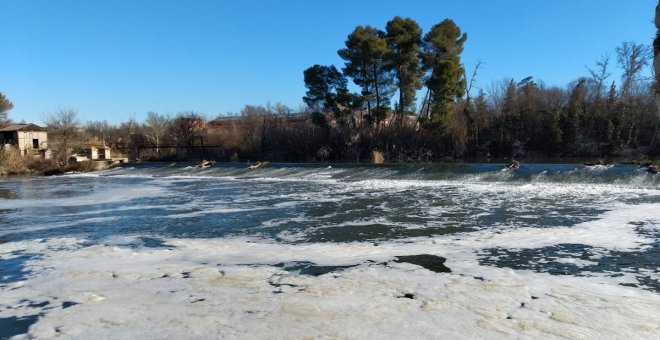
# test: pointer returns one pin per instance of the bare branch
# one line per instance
(473, 78)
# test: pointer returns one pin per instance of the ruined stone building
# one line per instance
(30, 139)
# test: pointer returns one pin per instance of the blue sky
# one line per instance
(116, 59)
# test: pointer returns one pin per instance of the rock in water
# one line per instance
(259, 165)
(204, 164)
(514, 165)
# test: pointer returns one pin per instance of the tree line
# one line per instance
(257, 132)
(590, 117)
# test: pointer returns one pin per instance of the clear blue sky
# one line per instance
(116, 58)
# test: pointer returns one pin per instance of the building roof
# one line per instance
(22, 127)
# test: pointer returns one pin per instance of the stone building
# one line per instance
(30, 139)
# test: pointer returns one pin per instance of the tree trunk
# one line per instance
(425, 104)
(375, 74)
(428, 105)
(401, 107)
(66, 148)
(201, 141)
(366, 90)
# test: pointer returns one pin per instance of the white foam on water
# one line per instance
(126, 208)
(510, 188)
(233, 288)
(237, 288)
(107, 173)
(208, 211)
(276, 222)
(23, 228)
(187, 178)
(597, 168)
(201, 289)
(613, 230)
(111, 194)
(196, 207)
(82, 174)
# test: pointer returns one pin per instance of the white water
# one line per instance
(235, 287)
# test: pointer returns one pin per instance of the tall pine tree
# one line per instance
(404, 37)
(443, 45)
(367, 63)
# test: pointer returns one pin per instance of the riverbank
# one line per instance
(41, 167)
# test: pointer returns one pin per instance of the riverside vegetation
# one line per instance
(593, 116)
(13, 164)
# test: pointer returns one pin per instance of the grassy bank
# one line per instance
(13, 164)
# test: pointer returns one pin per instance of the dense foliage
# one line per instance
(591, 117)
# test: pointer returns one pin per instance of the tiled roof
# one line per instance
(22, 127)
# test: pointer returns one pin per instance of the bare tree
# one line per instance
(632, 58)
(64, 122)
(99, 129)
(599, 74)
(156, 126)
(128, 129)
(473, 78)
(186, 127)
(281, 109)
(254, 118)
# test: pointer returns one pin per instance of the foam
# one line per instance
(222, 270)
(24, 228)
(231, 288)
(612, 230)
(243, 287)
(101, 196)
(209, 211)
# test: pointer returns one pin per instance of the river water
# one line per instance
(348, 251)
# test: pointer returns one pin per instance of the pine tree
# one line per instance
(404, 38)
(5, 105)
(366, 62)
(442, 49)
(574, 113)
(324, 84)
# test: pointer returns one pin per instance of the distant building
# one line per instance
(101, 152)
(98, 157)
(30, 139)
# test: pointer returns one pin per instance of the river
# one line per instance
(167, 250)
